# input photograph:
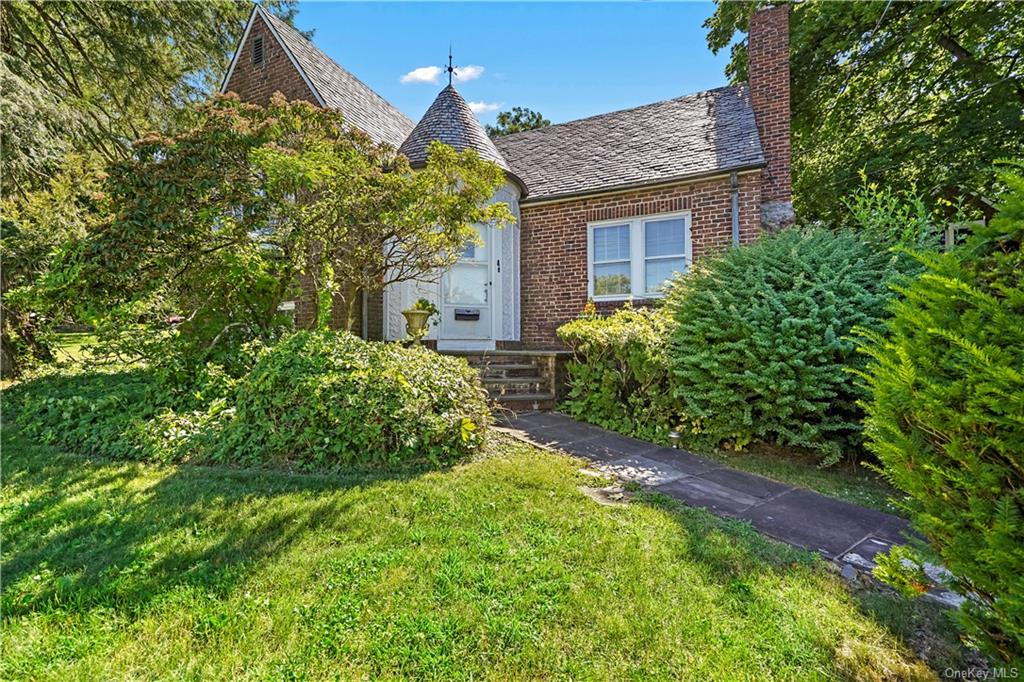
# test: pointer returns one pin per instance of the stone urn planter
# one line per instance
(416, 323)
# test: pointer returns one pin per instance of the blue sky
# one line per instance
(566, 60)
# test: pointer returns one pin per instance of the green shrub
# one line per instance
(317, 400)
(946, 418)
(760, 349)
(321, 399)
(618, 376)
(102, 413)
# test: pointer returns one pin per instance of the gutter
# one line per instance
(692, 177)
(735, 187)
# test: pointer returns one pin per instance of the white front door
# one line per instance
(467, 297)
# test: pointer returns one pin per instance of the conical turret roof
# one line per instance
(450, 120)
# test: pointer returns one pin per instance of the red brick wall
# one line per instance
(554, 242)
(768, 74)
(277, 74)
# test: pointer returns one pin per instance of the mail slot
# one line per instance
(467, 314)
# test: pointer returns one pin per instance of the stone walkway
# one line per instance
(843, 532)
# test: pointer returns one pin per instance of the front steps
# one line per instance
(519, 380)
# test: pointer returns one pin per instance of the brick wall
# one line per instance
(768, 74)
(277, 73)
(554, 242)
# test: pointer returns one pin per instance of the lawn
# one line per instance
(499, 568)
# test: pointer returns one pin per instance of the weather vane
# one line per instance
(450, 69)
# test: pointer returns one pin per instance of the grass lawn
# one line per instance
(499, 568)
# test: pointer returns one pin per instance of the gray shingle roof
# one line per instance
(450, 120)
(340, 90)
(689, 136)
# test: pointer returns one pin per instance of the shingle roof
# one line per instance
(340, 90)
(689, 136)
(450, 120)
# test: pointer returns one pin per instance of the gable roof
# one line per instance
(700, 134)
(450, 120)
(333, 86)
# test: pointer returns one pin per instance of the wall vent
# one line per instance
(257, 51)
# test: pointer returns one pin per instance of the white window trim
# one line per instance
(637, 257)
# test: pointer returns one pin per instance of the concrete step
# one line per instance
(525, 402)
(507, 370)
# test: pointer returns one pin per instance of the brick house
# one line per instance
(607, 207)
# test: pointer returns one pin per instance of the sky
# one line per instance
(566, 60)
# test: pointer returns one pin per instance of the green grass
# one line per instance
(70, 346)
(499, 568)
(846, 480)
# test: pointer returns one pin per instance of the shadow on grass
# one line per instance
(127, 536)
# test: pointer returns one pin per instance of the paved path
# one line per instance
(839, 530)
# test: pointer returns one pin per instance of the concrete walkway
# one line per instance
(841, 531)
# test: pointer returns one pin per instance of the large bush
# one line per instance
(326, 398)
(761, 348)
(315, 400)
(946, 418)
(618, 376)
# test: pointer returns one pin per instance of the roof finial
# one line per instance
(450, 69)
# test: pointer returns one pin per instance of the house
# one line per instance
(607, 207)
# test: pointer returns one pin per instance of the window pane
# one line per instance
(472, 251)
(611, 243)
(664, 238)
(656, 272)
(611, 279)
(466, 283)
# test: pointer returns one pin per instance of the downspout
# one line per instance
(366, 315)
(735, 185)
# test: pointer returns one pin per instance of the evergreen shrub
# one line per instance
(761, 347)
(946, 418)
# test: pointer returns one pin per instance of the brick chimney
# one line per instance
(768, 76)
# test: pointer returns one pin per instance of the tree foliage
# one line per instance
(923, 93)
(214, 225)
(97, 75)
(946, 418)
(516, 121)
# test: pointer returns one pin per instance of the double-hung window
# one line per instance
(636, 258)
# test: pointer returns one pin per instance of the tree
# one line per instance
(923, 93)
(32, 230)
(517, 121)
(215, 225)
(96, 75)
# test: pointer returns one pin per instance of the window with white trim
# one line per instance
(635, 258)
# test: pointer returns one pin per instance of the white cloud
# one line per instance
(423, 74)
(468, 73)
(483, 107)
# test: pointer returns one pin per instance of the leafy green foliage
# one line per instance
(760, 347)
(328, 398)
(915, 93)
(316, 400)
(34, 226)
(946, 417)
(214, 226)
(618, 376)
(518, 120)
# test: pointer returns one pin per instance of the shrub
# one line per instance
(618, 376)
(760, 348)
(328, 398)
(946, 418)
(316, 400)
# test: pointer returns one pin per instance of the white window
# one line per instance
(635, 258)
